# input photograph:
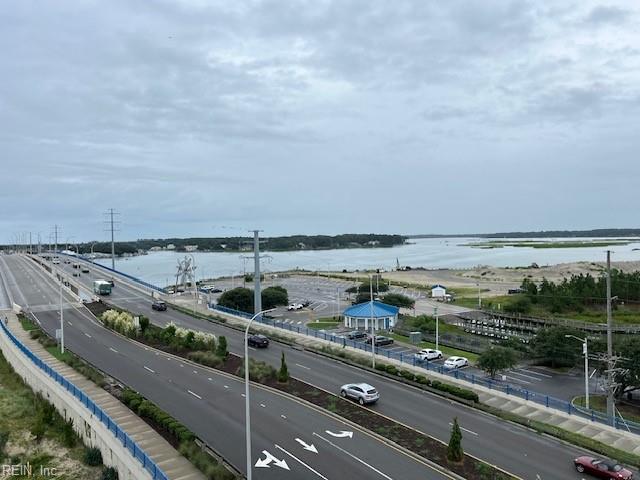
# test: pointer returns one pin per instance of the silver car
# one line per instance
(361, 392)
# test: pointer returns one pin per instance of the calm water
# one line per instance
(159, 267)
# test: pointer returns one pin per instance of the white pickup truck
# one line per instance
(295, 306)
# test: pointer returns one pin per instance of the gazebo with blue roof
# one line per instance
(358, 316)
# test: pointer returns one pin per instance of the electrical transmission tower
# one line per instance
(112, 227)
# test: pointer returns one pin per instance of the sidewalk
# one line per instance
(174, 465)
(608, 435)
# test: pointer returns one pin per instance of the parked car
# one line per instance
(381, 340)
(456, 362)
(427, 354)
(356, 334)
(76, 274)
(361, 392)
(216, 290)
(86, 270)
(601, 468)
(111, 282)
(159, 305)
(295, 306)
(258, 341)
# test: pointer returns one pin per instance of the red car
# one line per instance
(602, 468)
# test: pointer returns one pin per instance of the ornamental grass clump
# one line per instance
(121, 322)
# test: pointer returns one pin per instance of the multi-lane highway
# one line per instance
(290, 439)
(512, 447)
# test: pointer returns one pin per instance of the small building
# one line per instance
(171, 246)
(190, 248)
(438, 291)
(384, 316)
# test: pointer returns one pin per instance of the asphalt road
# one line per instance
(509, 446)
(212, 405)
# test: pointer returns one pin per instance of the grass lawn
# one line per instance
(448, 351)
(322, 325)
(27, 324)
(599, 404)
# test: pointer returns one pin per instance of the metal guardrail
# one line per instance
(410, 359)
(137, 452)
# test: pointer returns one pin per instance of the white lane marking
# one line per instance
(210, 379)
(526, 376)
(182, 365)
(266, 463)
(302, 366)
(466, 430)
(283, 416)
(226, 386)
(242, 395)
(353, 456)
(301, 462)
(536, 373)
(593, 373)
(195, 395)
(70, 323)
(519, 380)
(263, 405)
(146, 348)
(342, 434)
(87, 335)
(113, 350)
(147, 368)
(195, 371)
(309, 447)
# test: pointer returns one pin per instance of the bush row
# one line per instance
(181, 434)
(454, 390)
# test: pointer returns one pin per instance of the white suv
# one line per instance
(295, 306)
(456, 362)
(428, 354)
(362, 392)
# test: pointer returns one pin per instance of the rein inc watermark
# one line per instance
(27, 470)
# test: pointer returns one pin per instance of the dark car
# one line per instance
(356, 334)
(216, 290)
(258, 341)
(159, 305)
(381, 340)
(602, 468)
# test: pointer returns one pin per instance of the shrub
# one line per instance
(455, 391)
(109, 473)
(258, 371)
(92, 457)
(421, 379)
(222, 350)
(4, 438)
(381, 367)
(69, 437)
(144, 324)
(392, 370)
(205, 358)
(283, 373)
(121, 322)
(454, 449)
(407, 375)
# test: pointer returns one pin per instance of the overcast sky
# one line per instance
(205, 118)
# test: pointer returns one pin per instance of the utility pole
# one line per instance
(111, 213)
(61, 319)
(55, 229)
(373, 334)
(610, 365)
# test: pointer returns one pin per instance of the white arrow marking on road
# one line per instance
(311, 448)
(342, 434)
(269, 459)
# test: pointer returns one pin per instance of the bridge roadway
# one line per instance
(212, 404)
(512, 447)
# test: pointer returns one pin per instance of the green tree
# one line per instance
(629, 376)
(399, 300)
(238, 299)
(283, 373)
(274, 296)
(519, 305)
(550, 347)
(221, 349)
(144, 324)
(454, 450)
(496, 359)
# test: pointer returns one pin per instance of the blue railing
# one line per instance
(148, 464)
(130, 277)
(409, 359)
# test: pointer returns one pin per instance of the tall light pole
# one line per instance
(247, 404)
(257, 295)
(373, 334)
(585, 351)
(610, 362)
(61, 319)
(435, 314)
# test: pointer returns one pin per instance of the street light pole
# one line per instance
(247, 404)
(373, 334)
(61, 319)
(435, 314)
(585, 350)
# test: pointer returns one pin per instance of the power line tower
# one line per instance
(112, 228)
(257, 292)
(610, 358)
(55, 234)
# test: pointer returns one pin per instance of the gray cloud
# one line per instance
(288, 114)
